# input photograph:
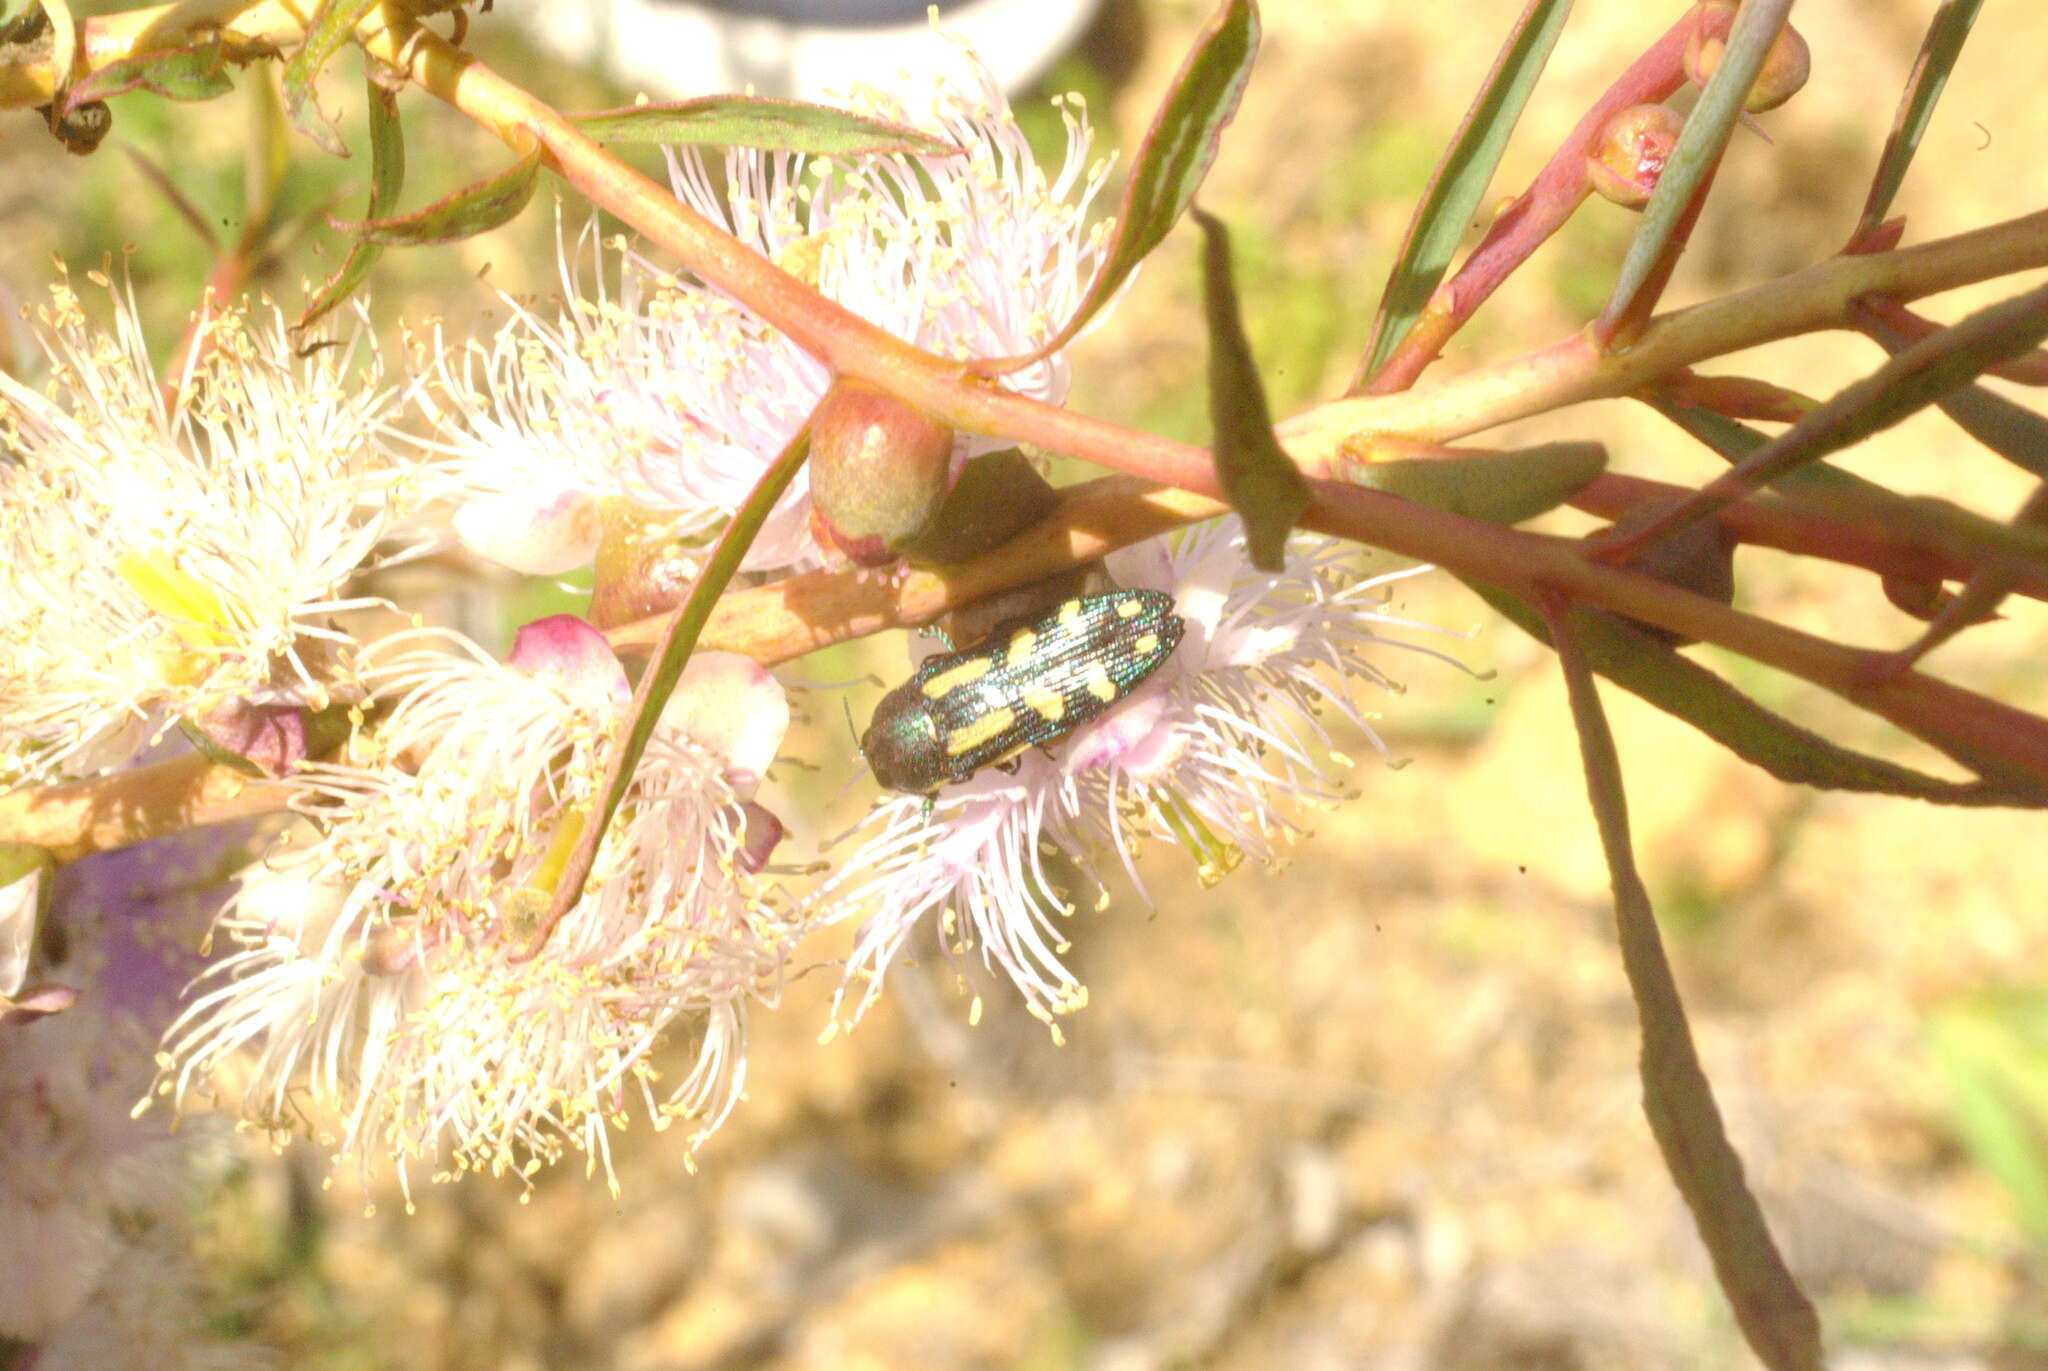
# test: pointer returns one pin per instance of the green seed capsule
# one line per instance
(1031, 681)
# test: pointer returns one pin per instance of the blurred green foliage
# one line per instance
(1992, 1052)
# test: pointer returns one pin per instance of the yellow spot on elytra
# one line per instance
(1070, 611)
(952, 678)
(1128, 609)
(970, 736)
(1099, 684)
(1146, 645)
(1051, 706)
(1021, 646)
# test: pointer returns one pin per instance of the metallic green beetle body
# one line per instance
(1030, 681)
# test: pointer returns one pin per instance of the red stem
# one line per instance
(1788, 526)
(1537, 213)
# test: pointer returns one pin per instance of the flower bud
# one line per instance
(1786, 66)
(1699, 557)
(643, 566)
(879, 471)
(1631, 153)
(265, 736)
(391, 949)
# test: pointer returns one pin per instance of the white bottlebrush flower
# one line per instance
(387, 973)
(164, 558)
(670, 395)
(1217, 752)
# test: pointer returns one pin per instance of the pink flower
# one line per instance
(674, 398)
(1218, 753)
(387, 975)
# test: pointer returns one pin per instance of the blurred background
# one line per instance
(1377, 1109)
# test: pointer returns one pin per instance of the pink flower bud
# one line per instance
(565, 649)
(1631, 153)
(879, 471)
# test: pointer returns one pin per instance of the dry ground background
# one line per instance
(1377, 1109)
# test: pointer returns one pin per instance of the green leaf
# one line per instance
(1461, 178)
(266, 161)
(1499, 487)
(1774, 1314)
(468, 212)
(1258, 478)
(1175, 155)
(1699, 147)
(658, 682)
(751, 121)
(1938, 54)
(1920, 375)
(2013, 431)
(197, 71)
(387, 176)
(332, 24)
(1682, 688)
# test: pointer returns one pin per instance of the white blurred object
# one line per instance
(800, 49)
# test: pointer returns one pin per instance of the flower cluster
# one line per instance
(673, 397)
(164, 556)
(392, 974)
(390, 963)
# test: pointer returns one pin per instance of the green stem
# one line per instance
(658, 682)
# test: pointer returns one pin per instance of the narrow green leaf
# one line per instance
(1699, 147)
(1258, 478)
(1174, 157)
(1499, 487)
(1918, 376)
(1682, 688)
(387, 176)
(266, 161)
(1925, 372)
(332, 24)
(197, 71)
(1733, 440)
(1938, 54)
(658, 682)
(751, 121)
(1461, 178)
(1774, 1314)
(472, 210)
(2013, 431)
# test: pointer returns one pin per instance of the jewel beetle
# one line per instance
(1030, 681)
